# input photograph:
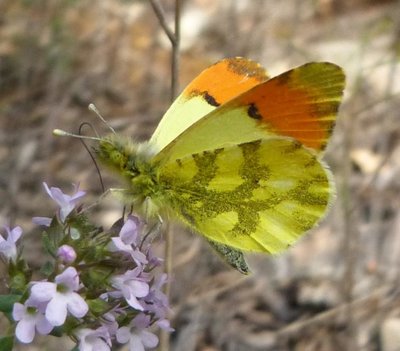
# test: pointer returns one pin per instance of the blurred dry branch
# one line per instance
(338, 289)
(174, 38)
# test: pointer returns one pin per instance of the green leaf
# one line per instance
(53, 236)
(98, 306)
(96, 279)
(6, 343)
(7, 302)
(20, 275)
(48, 244)
(79, 222)
(47, 269)
(18, 282)
(58, 331)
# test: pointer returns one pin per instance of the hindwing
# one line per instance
(255, 196)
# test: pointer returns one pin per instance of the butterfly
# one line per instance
(237, 156)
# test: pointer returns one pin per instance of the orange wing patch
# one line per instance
(225, 80)
(301, 103)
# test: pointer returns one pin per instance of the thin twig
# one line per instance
(350, 240)
(174, 38)
(161, 18)
(175, 52)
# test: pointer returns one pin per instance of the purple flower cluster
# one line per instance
(48, 304)
(130, 295)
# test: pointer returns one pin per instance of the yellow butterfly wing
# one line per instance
(214, 86)
(301, 103)
(256, 196)
(247, 174)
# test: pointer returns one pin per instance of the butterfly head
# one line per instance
(119, 154)
(132, 162)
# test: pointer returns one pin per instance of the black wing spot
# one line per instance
(253, 112)
(210, 99)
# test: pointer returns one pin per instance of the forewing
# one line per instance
(214, 86)
(256, 196)
(301, 104)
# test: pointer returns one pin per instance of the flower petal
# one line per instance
(149, 339)
(58, 196)
(135, 343)
(77, 196)
(45, 221)
(56, 311)
(117, 244)
(69, 278)
(18, 311)
(15, 234)
(133, 302)
(48, 191)
(43, 291)
(43, 326)
(100, 345)
(138, 288)
(139, 257)
(123, 335)
(65, 210)
(25, 331)
(77, 306)
(141, 321)
(165, 325)
(129, 230)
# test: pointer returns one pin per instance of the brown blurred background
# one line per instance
(338, 288)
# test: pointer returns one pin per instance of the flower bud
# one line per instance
(66, 254)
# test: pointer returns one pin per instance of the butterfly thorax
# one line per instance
(132, 162)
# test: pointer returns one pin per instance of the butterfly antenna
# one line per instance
(94, 109)
(90, 152)
(60, 132)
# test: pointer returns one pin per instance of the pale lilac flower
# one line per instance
(126, 242)
(153, 260)
(61, 297)
(139, 339)
(131, 286)
(117, 245)
(45, 221)
(94, 340)
(129, 231)
(30, 318)
(165, 324)
(109, 322)
(7, 246)
(156, 301)
(66, 202)
(66, 253)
